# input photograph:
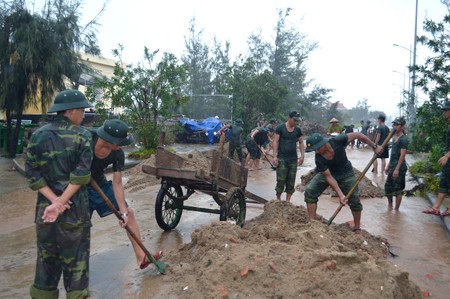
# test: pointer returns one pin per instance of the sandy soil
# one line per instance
(280, 254)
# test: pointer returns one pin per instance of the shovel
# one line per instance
(160, 266)
(360, 177)
(271, 165)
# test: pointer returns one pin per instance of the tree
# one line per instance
(434, 80)
(315, 105)
(254, 93)
(288, 59)
(285, 58)
(36, 53)
(145, 92)
(332, 112)
(197, 61)
(360, 112)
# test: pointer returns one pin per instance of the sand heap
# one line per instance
(280, 254)
(139, 180)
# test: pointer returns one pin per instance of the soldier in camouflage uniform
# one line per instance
(235, 138)
(335, 170)
(285, 155)
(107, 151)
(254, 143)
(58, 165)
(396, 167)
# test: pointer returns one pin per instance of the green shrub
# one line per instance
(142, 154)
(427, 169)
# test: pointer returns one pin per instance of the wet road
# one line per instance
(420, 241)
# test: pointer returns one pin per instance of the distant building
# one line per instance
(340, 107)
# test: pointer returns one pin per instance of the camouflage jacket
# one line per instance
(60, 153)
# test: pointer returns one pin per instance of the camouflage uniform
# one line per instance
(58, 154)
(260, 139)
(235, 141)
(394, 187)
(287, 158)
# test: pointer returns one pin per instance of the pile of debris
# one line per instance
(310, 128)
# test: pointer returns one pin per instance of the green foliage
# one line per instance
(430, 129)
(145, 93)
(431, 183)
(142, 154)
(255, 93)
(433, 78)
(427, 169)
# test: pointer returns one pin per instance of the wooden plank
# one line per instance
(149, 169)
(255, 197)
(229, 170)
(167, 159)
(176, 173)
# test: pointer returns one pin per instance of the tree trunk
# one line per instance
(12, 136)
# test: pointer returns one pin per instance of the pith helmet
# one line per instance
(295, 115)
(315, 141)
(115, 132)
(399, 121)
(69, 99)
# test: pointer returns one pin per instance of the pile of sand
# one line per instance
(280, 254)
(138, 180)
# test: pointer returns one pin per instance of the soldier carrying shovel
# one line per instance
(335, 170)
(107, 151)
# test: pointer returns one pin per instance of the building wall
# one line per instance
(103, 66)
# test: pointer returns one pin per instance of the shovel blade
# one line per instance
(160, 266)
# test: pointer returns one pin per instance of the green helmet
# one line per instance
(69, 99)
(115, 132)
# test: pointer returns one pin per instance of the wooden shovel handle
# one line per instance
(95, 186)
(361, 175)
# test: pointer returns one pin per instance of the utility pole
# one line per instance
(412, 101)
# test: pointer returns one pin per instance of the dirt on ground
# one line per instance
(281, 254)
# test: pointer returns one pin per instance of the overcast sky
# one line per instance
(355, 57)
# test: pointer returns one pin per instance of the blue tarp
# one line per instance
(209, 125)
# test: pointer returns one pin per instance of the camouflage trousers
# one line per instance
(253, 150)
(286, 173)
(318, 184)
(62, 249)
(394, 187)
(235, 146)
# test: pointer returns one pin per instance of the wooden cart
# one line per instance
(225, 182)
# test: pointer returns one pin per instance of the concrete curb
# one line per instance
(432, 199)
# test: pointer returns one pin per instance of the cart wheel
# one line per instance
(168, 211)
(235, 202)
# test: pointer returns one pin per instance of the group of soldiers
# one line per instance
(334, 169)
(63, 157)
(63, 161)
